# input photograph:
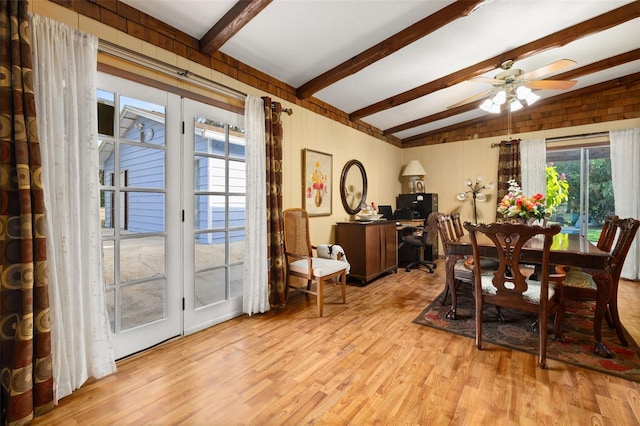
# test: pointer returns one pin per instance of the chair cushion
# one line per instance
(461, 272)
(531, 295)
(578, 279)
(321, 267)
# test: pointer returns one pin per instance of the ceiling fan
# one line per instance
(513, 85)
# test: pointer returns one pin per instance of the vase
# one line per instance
(318, 197)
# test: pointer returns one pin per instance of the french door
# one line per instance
(214, 223)
(172, 213)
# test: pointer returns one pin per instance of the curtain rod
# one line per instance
(566, 138)
(164, 68)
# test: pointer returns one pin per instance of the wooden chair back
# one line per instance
(297, 240)
(449, 228)
(626, 232)
(608, 234)
(510, 281)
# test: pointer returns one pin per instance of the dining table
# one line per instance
(566, 249)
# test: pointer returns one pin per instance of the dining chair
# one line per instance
(450, 229)
(581, 284)
(509, 287)
(302, 264)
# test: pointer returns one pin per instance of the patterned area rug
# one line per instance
(515, 333)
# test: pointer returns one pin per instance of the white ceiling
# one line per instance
(295, 41)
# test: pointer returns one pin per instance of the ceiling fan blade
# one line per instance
(548, 69)
(485, 80)
(551, 84)
(471, 99)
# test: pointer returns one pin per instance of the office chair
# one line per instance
(416, 237)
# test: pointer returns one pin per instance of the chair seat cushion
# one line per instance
(321, 267)
(461, 272)
(531, 295)
(578, 279)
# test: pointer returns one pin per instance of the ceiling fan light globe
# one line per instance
(486, 105)
(515, 106)
(495, 109)
(500, 97)
(523, 92)
(531, 98)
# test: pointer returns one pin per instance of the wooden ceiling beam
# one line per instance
(236, 18)
(386, 47)
(560, 38)
(626, 81)
(604, 64)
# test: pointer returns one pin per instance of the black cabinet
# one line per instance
(421, 205)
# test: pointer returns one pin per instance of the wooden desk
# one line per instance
(567, 249)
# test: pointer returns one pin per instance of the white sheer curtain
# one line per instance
(64, 68)
(625, 176)
(255, 296)
(533, 160)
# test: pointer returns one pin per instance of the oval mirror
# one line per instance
(353, 186)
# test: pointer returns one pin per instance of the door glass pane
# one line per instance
(141, 258)
(108, 265)
(210, 287)
(210, 211)
(143, 165)
(106, 112)
(210, 250)
(236, 280)
(141, 121)
(142, 303)
(142, 212)
(210, 174)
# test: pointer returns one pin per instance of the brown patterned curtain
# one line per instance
(508, 166)
(273, 138)
(25, 356)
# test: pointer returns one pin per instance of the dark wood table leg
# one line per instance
(450, 263)
(602, 301)
(615, 316)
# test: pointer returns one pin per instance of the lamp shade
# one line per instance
(414, 168)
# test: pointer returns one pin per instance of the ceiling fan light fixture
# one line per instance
(495, 109)
(486, 105)
(500, 97)
(523, 92)
(515, 105)
(531, 98)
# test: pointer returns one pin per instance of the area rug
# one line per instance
(515, 333)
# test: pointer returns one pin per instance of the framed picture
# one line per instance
(317, 179)
(419, 185)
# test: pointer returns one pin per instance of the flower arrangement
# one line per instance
(517, 205)
(318, 181)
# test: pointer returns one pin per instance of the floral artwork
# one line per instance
(517, 205)
(317, 182)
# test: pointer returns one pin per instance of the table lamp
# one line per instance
(414, 170)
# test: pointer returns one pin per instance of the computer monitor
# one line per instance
(386, 212)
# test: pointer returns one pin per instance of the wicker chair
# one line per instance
(301, 262)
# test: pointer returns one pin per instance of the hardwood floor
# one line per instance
(363, 363)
